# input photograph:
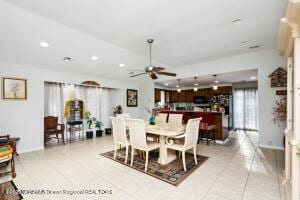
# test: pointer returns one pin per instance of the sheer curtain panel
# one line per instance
(245, 108)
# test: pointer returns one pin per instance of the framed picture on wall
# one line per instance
(132, 98)
(14, 88)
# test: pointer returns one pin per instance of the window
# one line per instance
(245, 108)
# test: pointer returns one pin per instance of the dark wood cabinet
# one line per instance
(172, 96)
(157, 95)
(189, 96)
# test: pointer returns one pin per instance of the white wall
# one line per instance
(146, 98)
(24, 119)
(266, 62)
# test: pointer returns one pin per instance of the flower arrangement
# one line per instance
(117, 110)
(280, 111)
(153, 112)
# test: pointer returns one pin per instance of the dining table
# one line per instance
(165, 130)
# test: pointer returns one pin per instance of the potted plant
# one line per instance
(89, 120)
(98, 126)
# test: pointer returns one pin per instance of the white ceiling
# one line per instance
(204, 81)
(185, 32)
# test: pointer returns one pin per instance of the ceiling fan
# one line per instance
(152, 71)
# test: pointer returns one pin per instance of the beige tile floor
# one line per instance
(241, 171)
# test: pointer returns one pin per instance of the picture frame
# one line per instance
(14, 88)
(132, 98)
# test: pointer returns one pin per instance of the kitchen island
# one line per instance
(217, 118)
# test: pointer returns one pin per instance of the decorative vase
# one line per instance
(152, 120)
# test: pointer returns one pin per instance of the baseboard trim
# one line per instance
(30, 150)
(271, 147)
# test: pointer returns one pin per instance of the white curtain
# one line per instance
(245, 108)
(54, 101)
(96, 100)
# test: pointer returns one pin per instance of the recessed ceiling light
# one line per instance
(44, 44)
(166, 84)
(236, 21)
(253, 77)
(122, 65)
(254, 47)
(94, 58)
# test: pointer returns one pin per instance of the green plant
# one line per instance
(89, 119)
(98, 125)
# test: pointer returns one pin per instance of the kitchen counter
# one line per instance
(217, 119)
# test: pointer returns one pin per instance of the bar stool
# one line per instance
(207, 132)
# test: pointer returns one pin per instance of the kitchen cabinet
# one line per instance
(174, 96)
(157, 95)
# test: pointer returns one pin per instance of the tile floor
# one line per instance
(241, 171)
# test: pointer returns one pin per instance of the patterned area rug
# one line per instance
(8, 191)
(172, 173)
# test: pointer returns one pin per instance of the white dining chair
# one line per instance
(161, 118)
(190, 140)
(120, 136)
(175, 118)
(124, 115)
(137, 132)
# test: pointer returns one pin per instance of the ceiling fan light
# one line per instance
(178, 90)
(195, 89)
(215, 87)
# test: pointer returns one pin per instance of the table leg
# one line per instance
(165, 156)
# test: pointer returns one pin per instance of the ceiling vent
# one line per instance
(67, 59)
(254, 47)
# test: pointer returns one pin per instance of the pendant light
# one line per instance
(179, 89)
(195, 85)
(215, 87)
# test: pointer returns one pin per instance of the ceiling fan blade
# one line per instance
(166, 73)
(136, 70)
(153, 76)
(156, 69)
(134, 75)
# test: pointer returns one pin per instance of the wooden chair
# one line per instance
(137, 132)
(120, 135)
(7, 157)
(208, 132)
(52, 127)
(190, 140)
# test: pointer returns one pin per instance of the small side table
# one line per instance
(13, 142)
